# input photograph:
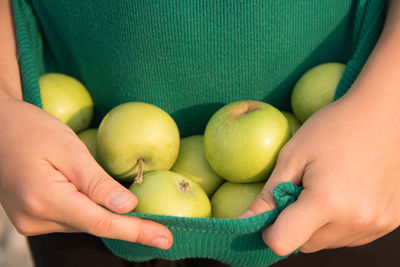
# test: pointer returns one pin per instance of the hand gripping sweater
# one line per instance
(190, 57)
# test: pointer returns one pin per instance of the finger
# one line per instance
(296, 224)
(76, 163)
(287, 169)
(81, 213)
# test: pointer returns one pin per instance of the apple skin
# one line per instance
(192, 163)
(232, 199)
(316, 89)
(89, 138)
(242, 140)
(133, 131)
(67, 99)
(294, 123)
(160, 194)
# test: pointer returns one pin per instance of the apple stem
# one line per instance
(183, 186)
(139, 176)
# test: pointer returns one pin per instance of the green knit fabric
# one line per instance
(190, 57)
(232, 241)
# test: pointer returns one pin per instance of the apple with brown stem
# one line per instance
(137, 137)
(170, 193)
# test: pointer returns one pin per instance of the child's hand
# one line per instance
(49, 182)
(347, 157)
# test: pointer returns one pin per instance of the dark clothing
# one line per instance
(83, 250)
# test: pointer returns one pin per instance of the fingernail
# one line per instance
(161, 242)
(247, 214)
(119, 198)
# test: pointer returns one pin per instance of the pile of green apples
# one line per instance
(217, 174)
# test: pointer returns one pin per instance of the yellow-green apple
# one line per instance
(170, 193)
(136, 137)
(294, 123)
(232, 199)
(67, 99)
(89, 138)
(316, 89)
(192, 163)
(242, 140)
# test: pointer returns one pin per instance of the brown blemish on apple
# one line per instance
(183, 186)
(244, 108)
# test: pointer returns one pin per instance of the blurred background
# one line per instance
(14, 251)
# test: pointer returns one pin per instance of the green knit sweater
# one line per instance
(190, 57)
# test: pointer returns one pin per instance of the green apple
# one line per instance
(294, 123)
(232, 199)
(89, 138)
(316, 89)
(170, 193)
(242, 140)
(67, 99)
(136, 137)
(192, 163)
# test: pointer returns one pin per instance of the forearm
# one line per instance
(378, 85)
(10, 83)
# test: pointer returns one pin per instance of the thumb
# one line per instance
(287, 169)
(89, 177)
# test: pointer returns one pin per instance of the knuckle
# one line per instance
(330, 200)
(23, 226)
(95, 185)
(143, 233)
(101, 226)
(265, 200)
(276, 245)
(22, 230)
(140, 237)
(362, 218)
(34, 206)
(278, 249)
(381, 224)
